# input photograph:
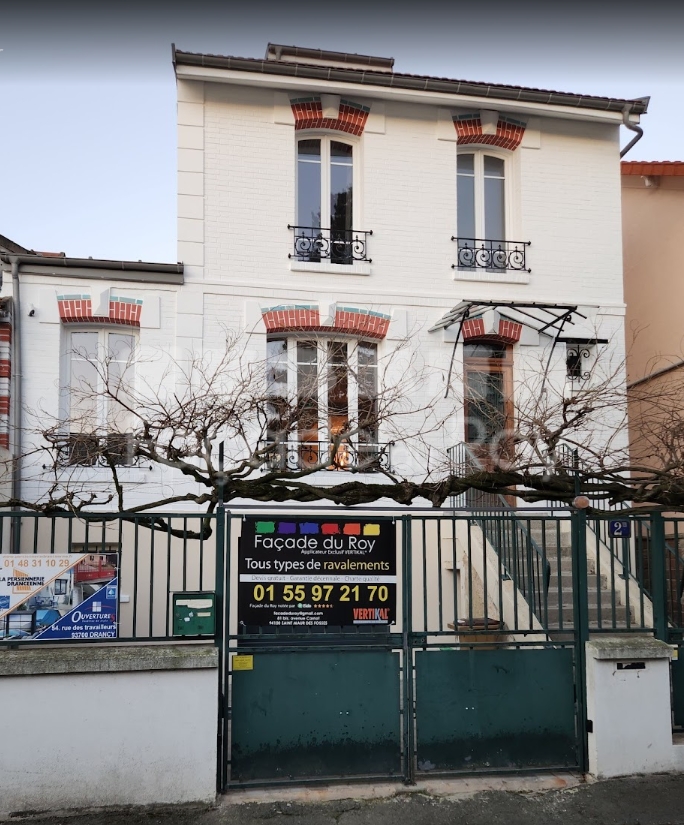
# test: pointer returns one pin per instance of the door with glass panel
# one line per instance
(488, 391)
(352, 403)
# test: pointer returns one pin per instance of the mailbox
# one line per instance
(194, 614)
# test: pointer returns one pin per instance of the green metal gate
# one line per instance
(316, 713)
(495, 709)
(305, 704)
(458, 649)
(482, 671)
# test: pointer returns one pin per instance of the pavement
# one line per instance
(532, 800)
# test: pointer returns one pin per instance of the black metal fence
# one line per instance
(525, 588)
(152, 555)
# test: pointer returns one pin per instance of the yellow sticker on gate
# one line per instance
(243, 662)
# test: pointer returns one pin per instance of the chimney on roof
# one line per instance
(321, 57)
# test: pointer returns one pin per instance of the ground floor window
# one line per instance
(98, 374)
(323, 392)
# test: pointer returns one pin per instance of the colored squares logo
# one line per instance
(287, 527)
(308, 527)
(330, 529)
(264, 527)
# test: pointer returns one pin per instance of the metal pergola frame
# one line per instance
(550, 319)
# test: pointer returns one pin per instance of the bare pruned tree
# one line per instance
(270, 426)
(268, 414)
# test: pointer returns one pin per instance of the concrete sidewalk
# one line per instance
(533, 800)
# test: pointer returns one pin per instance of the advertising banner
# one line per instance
(316, 573)
(58, 596)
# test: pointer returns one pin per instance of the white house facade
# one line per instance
(357, 227)
(389, 275)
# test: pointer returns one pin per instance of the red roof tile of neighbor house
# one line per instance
(655, 168)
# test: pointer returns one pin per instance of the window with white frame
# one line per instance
(482, 215)
(323, 402)
(325, 202)
(481, 196)
(481, 209)
(99, 374)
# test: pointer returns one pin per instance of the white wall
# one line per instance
(629, 708)
(76, 740)
(564, 198)
(43, 351)
(236, 195)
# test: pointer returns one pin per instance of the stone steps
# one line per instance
(557, 546)
(606, 616)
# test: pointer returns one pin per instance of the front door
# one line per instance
(488, 398)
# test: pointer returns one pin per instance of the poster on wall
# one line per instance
(58, 596)
(316, 573)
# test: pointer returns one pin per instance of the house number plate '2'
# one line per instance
(619, 529)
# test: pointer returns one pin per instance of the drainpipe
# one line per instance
(17, 400)
(634, 128)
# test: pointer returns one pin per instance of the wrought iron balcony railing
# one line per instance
(339, 246)
(300, 455)
(496, 256)
(85, 450)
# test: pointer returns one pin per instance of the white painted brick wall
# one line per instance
(236, 193)
(565, 196)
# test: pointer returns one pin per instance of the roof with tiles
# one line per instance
(340, 66)
(6, 245)
(653, 168)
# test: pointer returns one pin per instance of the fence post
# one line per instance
(407, 613)
(658, 577)
(581, 613)
(222, 722)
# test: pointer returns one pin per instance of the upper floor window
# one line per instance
(99, 376)
(325, 203)
(481, 204)
(481, 197)
(325, 183)
(323, 396)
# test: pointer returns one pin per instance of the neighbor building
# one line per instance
(653, 217)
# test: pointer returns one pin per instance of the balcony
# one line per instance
(491, 255)
(85, 450)
(313, 244)
(301, 455)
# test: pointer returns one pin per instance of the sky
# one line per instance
(88, 136)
